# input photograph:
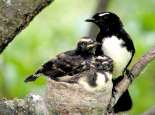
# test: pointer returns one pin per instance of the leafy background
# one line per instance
(58, 28)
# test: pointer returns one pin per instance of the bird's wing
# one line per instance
(67, 63)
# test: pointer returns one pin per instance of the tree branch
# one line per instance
(31, 105)
(15, 15)
(123, 85)
(150, 111)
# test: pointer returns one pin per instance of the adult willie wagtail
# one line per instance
(68, 63)
(117, 44)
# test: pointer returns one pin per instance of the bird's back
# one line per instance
(66, 63)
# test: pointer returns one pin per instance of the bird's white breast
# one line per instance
(101, 82)
(112, 47)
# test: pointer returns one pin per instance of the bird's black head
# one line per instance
(86, 46)
(106, 21)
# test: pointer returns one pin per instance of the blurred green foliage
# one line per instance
(58, 28)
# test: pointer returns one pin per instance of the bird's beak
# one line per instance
(93, 45)
(90, 20)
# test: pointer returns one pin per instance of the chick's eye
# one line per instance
(83, 44)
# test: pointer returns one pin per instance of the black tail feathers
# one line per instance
(125, 102)
(34, 76)
(31, 78)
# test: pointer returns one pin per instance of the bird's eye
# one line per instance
(82, 45)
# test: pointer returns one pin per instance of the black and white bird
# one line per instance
(117, 44)
(67, 63)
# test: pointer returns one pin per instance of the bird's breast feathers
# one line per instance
(113, 47)
(102, 82)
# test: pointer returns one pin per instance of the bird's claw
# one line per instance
(129, 74)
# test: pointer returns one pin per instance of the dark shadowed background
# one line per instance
(59, 27)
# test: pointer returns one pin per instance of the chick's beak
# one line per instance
(93, 45)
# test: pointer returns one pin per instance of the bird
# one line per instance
(98, 76)
(118, 45)
(67, 63)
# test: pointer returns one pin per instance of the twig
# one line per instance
(15, 15)
(33, 104)
(150, 111)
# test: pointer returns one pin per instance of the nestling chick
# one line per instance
(96, 77)
(68, 63)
